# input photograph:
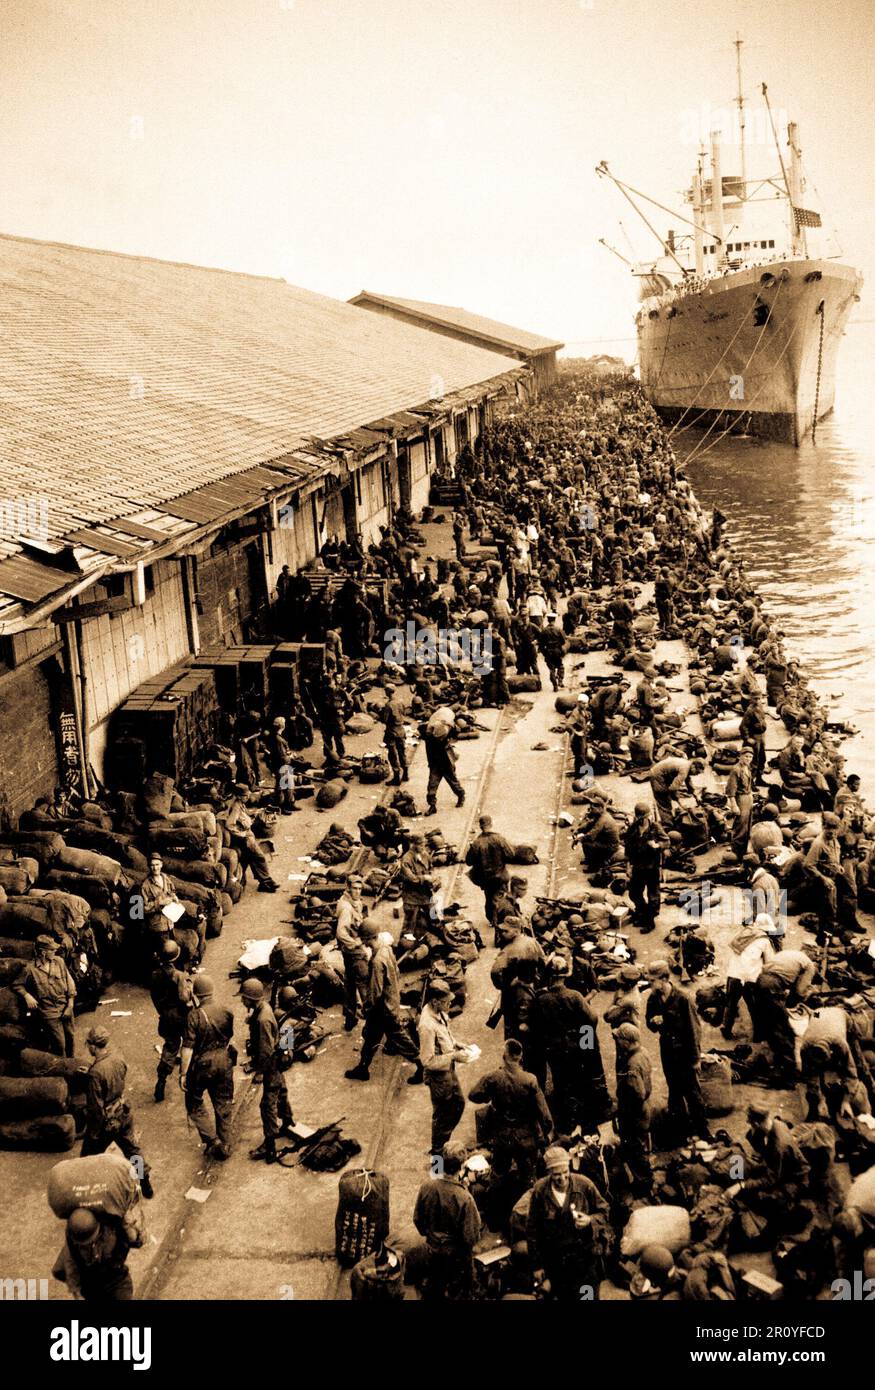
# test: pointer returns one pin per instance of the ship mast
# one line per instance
(739, 101)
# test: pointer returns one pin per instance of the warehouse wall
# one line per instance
(28, 748)
(419, 476)
(121, 650)
(373, 510)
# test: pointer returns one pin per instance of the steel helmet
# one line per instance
(656, 1262)
(253, 990)
(169, 950)
(203, 987)
(287, 997)
(82, 1225)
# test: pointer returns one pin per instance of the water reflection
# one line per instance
(804, 520)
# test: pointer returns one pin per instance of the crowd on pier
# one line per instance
(575, 531)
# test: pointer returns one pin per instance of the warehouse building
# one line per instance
(538, 353)
(171, 437)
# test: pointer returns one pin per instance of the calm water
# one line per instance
(804, 521)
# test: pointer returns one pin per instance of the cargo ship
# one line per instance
(740, 320)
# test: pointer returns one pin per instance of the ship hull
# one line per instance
(746, 351)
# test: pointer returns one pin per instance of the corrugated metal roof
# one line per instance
(134, 391)
(488, 330)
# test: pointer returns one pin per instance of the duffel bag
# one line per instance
(41, 1134)
(715, 1079)
(180, 840)
(565, 704)
(22, 1097)
(74, 1070)
(378, 1278)
(519, 685)
(97, 892)
(201, 871)
(330, 793)
(361, 1222)
(104, 1182)
(288, 958)
(373, 769)
(12, 1040)
(722, 730)
(24, 919)
(15, 879)
(11, 1004)
(20, 950)
(85, 861)
(525, 854)
(668, 1226)
(158, 796)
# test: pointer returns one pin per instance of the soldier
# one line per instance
(171, 994)
(350, 916)
(93, 1261)
(269, 1065)
(520, 1120)
(280, 756)
(47, 988)
(553, 647)
(644, 842)
(417, 885)
(671, 1014)
(488, 857)
(393, 738)
(208, 1055)
(564, 1032)
(238, 822)
(634, 1085)
(107, 1108)
(157, 891)
(565, 1230)
(383, 1008)
(441, 759)
(438, 1053)
(446, 1216)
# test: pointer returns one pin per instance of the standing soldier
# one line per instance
(438, 1053)
(634, 1085)
(753, 731)
(644, 843)
(383, 1018)
(417, 885)
(553, 647)
(488, 857)
(739, 790)
(47, 988)
(446, 1216)
(269, 1063)
(564, 1032)
(107, 1108)
(350, 916)
(208, 1054)
(280, 755)
(171, 994)
(157, 892)
(671, 1014)
(238, 822)
(393, 718)
(519, 1120)
(441, 759)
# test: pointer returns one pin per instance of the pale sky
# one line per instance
(441, 150)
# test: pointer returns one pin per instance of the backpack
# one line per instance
(361, 1223)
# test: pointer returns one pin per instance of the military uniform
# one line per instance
(679, 1052)
(634, 1085)
(170, 990)
(276, 1112)
(570, 1257)
(98, 1272)
(446, 1216)
(519, 1118)
(579, 1093)
(436, 1048)
(208, 1032)
(108, 1117)
(50, 983)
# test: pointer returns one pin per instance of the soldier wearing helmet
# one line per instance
(108, 1117)
(266, 1064)
(207, 1068)
(93, 1261)
(171, 993)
